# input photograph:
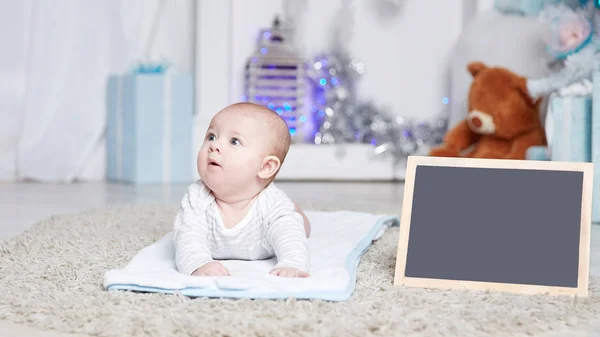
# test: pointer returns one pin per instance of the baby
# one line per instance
(235, 211)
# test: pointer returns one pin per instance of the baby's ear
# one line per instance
(269, 167)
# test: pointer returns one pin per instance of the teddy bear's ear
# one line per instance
(476, 67)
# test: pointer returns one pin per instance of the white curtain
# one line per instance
(56, 56)
(15, 22)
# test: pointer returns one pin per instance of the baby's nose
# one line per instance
(214, 147)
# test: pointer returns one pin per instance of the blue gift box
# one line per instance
(150, 128)
(540, 153)
(576, 135)
(572, 128)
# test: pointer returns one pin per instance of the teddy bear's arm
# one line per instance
(522, 143)
(460, 138)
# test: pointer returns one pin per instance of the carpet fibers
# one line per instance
(51, 278)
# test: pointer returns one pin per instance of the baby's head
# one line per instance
(244, 148)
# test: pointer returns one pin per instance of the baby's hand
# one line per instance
(289, 272)
(213, 268)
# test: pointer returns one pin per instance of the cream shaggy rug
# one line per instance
(51, 278)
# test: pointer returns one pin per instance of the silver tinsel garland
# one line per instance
(344, 119)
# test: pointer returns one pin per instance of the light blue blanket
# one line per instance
(337, 242)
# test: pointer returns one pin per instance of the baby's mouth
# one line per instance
(213, 163)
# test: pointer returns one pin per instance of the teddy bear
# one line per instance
(503, 120)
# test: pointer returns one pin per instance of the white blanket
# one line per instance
(337, 242)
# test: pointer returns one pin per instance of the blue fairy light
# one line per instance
(263, 50)
(292, 131)
(334, 81)
(271, 106)
(303, 118)
(445, 100)
(323, 81)
(287, 106)
(279, 111)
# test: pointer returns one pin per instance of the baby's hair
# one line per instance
(279, 133)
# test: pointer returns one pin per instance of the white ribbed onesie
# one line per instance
(272, 227)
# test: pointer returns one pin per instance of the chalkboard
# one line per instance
(489, 224)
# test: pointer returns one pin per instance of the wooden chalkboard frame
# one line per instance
(585, 228)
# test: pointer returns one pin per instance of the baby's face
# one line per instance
(232, 153)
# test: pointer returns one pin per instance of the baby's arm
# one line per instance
(287, 236)
(192, 252)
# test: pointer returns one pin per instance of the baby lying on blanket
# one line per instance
(235, 211)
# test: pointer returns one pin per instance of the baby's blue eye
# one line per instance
(210, 138)
(235, 141)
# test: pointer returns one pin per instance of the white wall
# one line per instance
(405, 58)
(484, 5)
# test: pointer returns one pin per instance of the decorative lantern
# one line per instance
(276, 78)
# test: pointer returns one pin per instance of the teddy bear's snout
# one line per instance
(481, 122)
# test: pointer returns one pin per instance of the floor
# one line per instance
(24, 204)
